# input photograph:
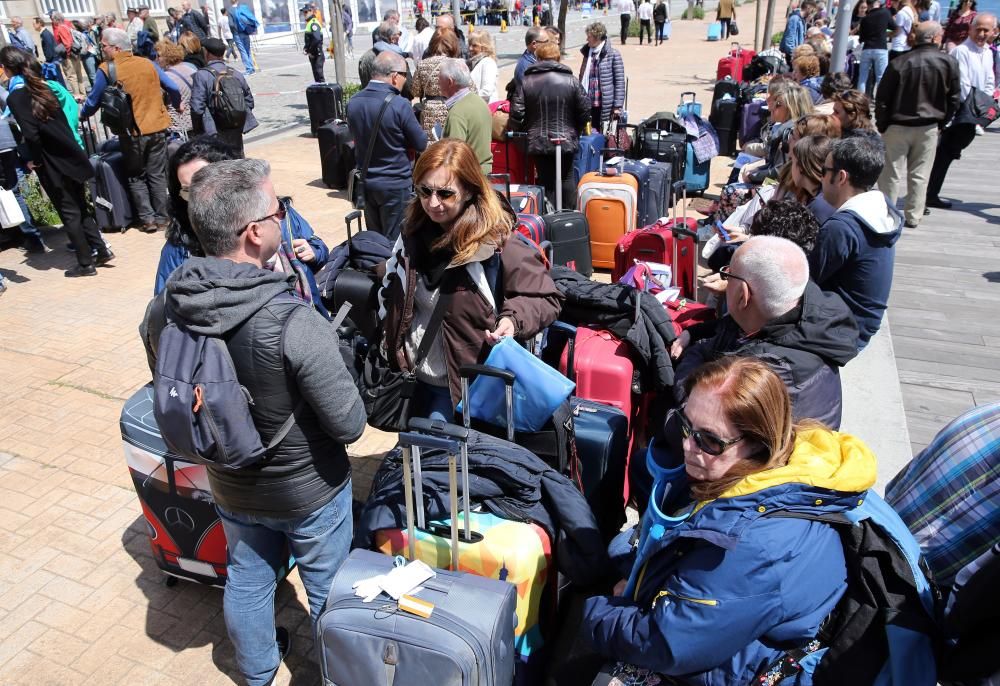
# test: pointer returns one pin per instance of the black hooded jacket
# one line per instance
(550, 102)
(805, 347)
(504, 479)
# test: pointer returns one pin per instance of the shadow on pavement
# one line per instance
(978, 209)
(187, 615)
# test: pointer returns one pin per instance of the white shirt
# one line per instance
(420, 43)
(646, 11)
(134, 27)
(904, 22)
(484, 79)
(586, 69)
(934, 13)
(624, 6)
(976, 65)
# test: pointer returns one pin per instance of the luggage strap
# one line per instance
(374, 135)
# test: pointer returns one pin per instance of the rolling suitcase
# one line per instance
(109, 189)
(532, 226)
(725, 87)
(325, 102)
(753, 115)
(510, 157)
(185, 533)
(696, 174)
(686, 107)
(588, 155)
(568, 232)
(662, 138)
(487, 546)
(336, 153)
(359, 288)
(725, 119)
(609, 200)
(714, 31)
(659, 193)
(525, 198)
(468, 639)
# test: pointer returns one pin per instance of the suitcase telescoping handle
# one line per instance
(558, 141)
(435, 435)
(570, 330)
(694, 96)
(467, 371)
(505, 179)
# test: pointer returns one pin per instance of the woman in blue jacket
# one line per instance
(717, 589)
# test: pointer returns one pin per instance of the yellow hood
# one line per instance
(821, 458)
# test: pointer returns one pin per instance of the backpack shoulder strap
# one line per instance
(287, 425)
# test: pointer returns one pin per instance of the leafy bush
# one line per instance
(42, 211)
(350, 90)
(776, 38)
(693, 13)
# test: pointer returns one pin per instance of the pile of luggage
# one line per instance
(328, 123)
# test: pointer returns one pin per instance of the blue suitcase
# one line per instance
(588, 156)
(641, 173)
(696, 175)
(715, 31)
(686, 106)
(659, 198)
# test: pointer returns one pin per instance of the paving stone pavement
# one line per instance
(81, 601)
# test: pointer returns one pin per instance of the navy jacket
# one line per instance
(854, 256)
(48, 45)
(400, 131)
(201, 94)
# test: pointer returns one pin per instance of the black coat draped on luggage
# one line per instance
(504, 479)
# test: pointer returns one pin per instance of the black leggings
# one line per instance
(644, 25)
(626, 20)
(70, 202)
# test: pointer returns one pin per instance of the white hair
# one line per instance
(777, 271)
(116, 38)
(456, 71)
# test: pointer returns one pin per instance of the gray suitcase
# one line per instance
(467, 641)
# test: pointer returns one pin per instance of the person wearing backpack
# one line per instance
(135, 86)
(296, 497)
(245, 25)
(221, 99)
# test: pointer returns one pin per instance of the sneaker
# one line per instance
(35, 244)
(979, 130)
(81, 270)
(284, 641)
(103, 258)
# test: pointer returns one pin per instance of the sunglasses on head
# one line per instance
(707, 442)
(426, 192)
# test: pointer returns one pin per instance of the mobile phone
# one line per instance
(722, 230)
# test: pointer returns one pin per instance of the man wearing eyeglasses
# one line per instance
(388, 176)
(298, 500)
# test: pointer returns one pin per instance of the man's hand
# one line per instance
(303, 250)
(715, 283)
(681, 342)
(505, 327)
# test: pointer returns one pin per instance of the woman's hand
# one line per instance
(303, 250)
(619, 588)
(505, 327)
(681, 342)
(715, 283)
(737, 234)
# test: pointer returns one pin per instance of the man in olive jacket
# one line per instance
(285, 354)
(469, 118)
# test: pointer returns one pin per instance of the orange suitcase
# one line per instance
(610, 203)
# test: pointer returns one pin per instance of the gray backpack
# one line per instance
(201, 408)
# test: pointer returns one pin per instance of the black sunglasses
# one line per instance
(725, 275)
(278, 214)
(442, 193)
(707, 442)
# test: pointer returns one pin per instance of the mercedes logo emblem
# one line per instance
(175, 517)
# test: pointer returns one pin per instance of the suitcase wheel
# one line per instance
(169, 581)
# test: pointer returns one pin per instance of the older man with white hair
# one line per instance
(468, 115)
(777, 314)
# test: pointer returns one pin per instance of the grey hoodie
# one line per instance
(216, 297)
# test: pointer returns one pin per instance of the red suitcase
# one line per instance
(686, 313)
(532, 226)
(734, 63)
(673, 242)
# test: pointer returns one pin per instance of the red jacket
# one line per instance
(63, 34)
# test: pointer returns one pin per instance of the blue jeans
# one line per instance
(876, 60)
(258, 548)
(243, 45)
(27, 227)
(384, 210)
(434, 402)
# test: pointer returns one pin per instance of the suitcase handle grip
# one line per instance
(438, 427)
(694, 96)
(409, 439)
(679, 230)
(571, 349)
(354, 215)
(467, 371)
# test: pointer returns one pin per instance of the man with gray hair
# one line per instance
(469, 117)
(69, 62)
(405, 38)
(918, 94)
(778, 315)
(389, 175)
(386, 38)
(284, 353)
(145, 147)
(20, 37)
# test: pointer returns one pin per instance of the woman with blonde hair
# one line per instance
(433, 111)
(192, 50)
(170, 57)
(457, 253)
(483, 65)
(716, 589)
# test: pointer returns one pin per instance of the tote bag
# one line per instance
(10, 212)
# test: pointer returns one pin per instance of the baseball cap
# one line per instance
(214, 46)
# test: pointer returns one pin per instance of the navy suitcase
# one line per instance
(659, 196)
(569, 235)
(325, 102)
(357, 287)
(336, 153)
(588, 155)
(640, 171)
(109, 190)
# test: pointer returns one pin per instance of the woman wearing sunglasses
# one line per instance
(713, 584)
(457, 256)
(300, 244)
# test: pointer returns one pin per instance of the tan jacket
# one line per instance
(142, 82)
(727, 10)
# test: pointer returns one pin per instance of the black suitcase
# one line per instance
(325, 102)
(109, 190)
(726, 87)
(725, 118)
(359, 288)
(569, 234)
(662, 138)
(659, 193)
(336, 151)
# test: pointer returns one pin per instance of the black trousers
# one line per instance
(384, 210)
(952, 141)
(233, 138)
(146, 166)
(626, 20)
(316, 62)
(725, 27)
(70, 201)
(545, 165)
(645, 25)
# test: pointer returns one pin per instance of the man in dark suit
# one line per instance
(48, 40)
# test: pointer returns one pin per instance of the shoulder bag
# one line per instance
(356, 181)
(387, 393)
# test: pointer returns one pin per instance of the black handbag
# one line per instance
(356, 179)
(387, 393)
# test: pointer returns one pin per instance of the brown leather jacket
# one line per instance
(530, 299)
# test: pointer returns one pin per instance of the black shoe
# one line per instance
(926, 211)
(35, 244)
(938, 203)
(149, 228)
(81, 270)
(284, 641)
(103, 257)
